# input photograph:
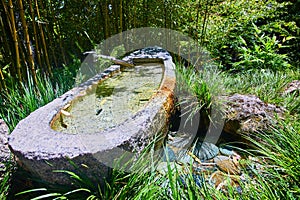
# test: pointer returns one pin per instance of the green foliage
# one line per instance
(256, 39)
(267, 84)
(263, 54)
(21, 101)
(275, 176)
(5, 181)
(280, 150)
(205, 85)
(233, 38)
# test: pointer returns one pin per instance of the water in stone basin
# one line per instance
(113, 101)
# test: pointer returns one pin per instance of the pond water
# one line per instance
(113, 101)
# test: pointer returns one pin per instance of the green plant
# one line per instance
(21, 101)
(5, 180)
(199, 90)
(263, 54)
(232, 20)
(280, 159)
(267, 84)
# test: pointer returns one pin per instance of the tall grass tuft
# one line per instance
(280, 154)
(268, 85)
(21, 100)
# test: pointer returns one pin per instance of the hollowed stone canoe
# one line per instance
(40, 149)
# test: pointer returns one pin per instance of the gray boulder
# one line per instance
(4, 150)
(292, 87)
(249, 114)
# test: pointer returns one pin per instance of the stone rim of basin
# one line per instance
(35, 143)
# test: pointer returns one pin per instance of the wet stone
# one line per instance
(226, 151)
(221, 180)
(163, 167)
(196, 178)
(183, 157)
(205, 150)
(205, 170)
(220, 158)
(228, 165)
(168, 155)
(180, 140)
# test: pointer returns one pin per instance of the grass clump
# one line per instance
(19, 101)
(267, 84)
(279, 161)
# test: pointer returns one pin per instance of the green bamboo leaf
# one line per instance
(47, 196)
(78, 190)
(72, 174)
(243, 41)
(32, 190)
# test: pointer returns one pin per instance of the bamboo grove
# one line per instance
(39, 36)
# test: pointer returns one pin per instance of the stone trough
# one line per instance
(50, 137)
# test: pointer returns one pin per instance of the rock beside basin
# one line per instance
(292, 87)
(4, 150)
(249, 114)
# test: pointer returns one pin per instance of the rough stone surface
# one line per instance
(221, 180)
(293, 87)
(226, 151)
(168, 155)
(205, 150)
(41, 150)
(4, 150)
(164, 167)
(184, 157)
(227, 165)
(248, 114)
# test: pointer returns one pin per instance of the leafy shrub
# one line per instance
(263, 54)
(231, 21)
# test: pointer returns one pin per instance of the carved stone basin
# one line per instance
(73, 127)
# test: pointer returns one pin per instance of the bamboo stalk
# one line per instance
(37, 48)
(50, 35)
(27, 42)
(25, 65)
(197, 23)
(61, 44)
(101, 18)
(114, 17)
(145, 13)
(43, 40)
(7, 15)
(197, 18)
(134, 14)
(121, 17)
(3, 81)
(57, 26)
(204, 23)
(15, 39)
(4, 37)
(105, 10)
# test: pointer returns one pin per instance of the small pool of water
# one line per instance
(113, 101)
